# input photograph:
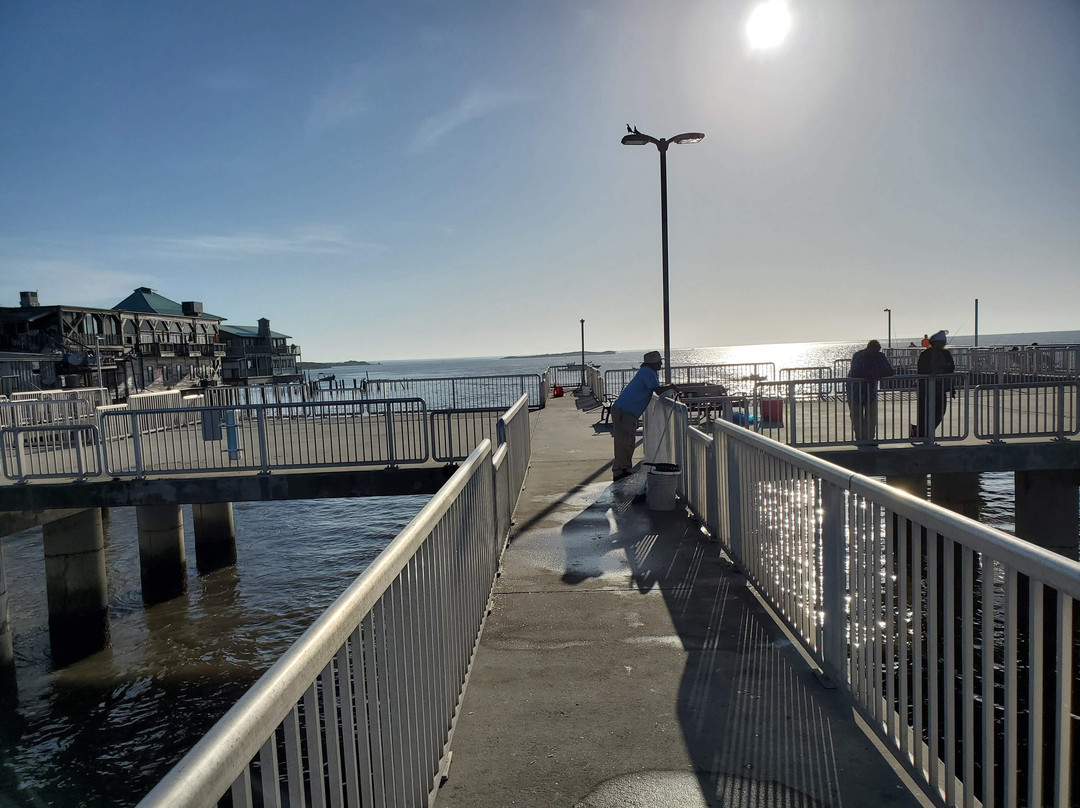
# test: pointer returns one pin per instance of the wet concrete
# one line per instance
(625, 663)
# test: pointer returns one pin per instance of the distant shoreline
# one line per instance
(324, 365)
(567, 353)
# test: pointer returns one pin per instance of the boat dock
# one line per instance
(625, 661)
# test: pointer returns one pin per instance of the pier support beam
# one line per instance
(1046, 510)
(957, 491)
(215, 536)
(162, 562)
(76, 586)
(916, 486)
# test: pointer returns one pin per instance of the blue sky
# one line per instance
(432, 179)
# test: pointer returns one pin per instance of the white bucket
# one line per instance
(661, 488)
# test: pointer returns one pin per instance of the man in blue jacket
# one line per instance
(629, 407)
(867, 365)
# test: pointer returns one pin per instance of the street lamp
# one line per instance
(636, 138)
(889, 312)
(582, 353)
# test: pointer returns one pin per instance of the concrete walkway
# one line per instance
(625, 663)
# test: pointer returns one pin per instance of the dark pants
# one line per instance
(931, 403)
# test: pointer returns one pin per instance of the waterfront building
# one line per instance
(257, 355)
(145, 342)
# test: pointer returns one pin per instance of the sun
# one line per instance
(768, 24)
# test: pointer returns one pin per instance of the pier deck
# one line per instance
(626, 662)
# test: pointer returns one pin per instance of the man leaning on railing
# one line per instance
(629, 407)
(867, 365)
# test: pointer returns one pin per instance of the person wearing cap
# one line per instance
(629, 407)
(934, 361)
(867, 365)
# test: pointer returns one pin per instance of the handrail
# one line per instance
(895, 598)
(381, 674)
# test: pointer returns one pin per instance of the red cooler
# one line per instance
(772, 410)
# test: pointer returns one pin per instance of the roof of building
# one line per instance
(249, 331)
(148, 301)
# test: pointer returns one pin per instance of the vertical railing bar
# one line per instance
(1012, 760)
(933, 729)
(294, 771)
(331, 736)
(989, 723)
(1035, 694)
(268, 763)
(314, 746)
(1063, 754)
(348, 729)
(967, 674)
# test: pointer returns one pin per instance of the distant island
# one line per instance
(324, 365)
(567, 353)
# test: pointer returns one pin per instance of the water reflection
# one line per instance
(102, 731)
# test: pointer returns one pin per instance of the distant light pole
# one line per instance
(582, 353)
(889, 312)
(636, 138)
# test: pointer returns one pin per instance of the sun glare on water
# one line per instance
(768, 24)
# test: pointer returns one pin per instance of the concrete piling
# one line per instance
(215, 536)
(957, 491)
(1046, 510)
(162, 562)
(76, 586)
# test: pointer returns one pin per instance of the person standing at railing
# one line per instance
(867, 365)
(934, 361)
(629, 407)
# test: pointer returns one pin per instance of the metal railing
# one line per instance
(455, 433)
(818, 412)
(445, 393)
(1042, 409)
(46, 412)
(956, 642)
(97, 396)
(50, 452)
(362, 708)
(737, 377)
(265, 437)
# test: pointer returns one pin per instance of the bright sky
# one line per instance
(432, 179)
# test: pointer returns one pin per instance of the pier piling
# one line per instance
(215, 536)
(76, 586)
(162, 562)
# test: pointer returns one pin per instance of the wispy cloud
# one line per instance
(306, 239)
(477, 103)
(342, 100)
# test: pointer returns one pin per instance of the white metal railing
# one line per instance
(97, 396)
(46, 412)
(265, 437)
(362, 708)
(49, 452)
(957, 642)
(1041, 409)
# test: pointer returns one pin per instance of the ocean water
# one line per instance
(101, 732)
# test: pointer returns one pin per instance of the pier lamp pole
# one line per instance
(582, 353)
(889, 312)
(636, 138)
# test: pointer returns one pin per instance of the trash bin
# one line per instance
(663, 482)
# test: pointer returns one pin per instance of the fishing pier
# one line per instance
(793, 632)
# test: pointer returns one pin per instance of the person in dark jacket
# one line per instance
(868, 365)
(934, 361)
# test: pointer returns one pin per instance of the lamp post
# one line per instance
(889, 312)
(582, 353)
(636, 138)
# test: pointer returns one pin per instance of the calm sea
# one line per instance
(103, 731)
